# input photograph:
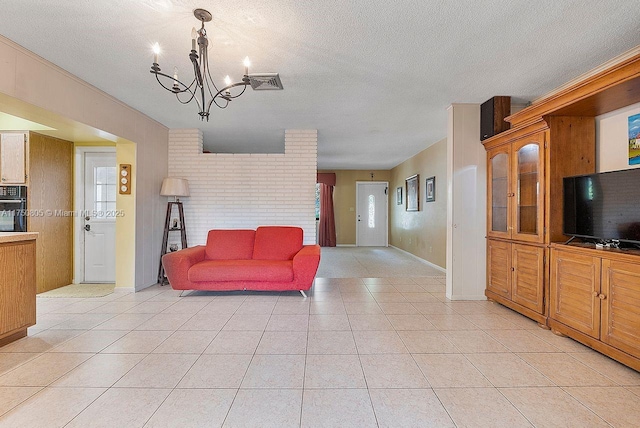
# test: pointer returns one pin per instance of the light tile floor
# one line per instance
(359, 352)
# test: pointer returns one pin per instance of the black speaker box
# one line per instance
(492, 114)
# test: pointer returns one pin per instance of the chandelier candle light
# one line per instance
(202, 83)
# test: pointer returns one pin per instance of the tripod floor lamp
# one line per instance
(175, 187)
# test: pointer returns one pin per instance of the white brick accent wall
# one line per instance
(235, 191)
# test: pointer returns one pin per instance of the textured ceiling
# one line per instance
(374, 77)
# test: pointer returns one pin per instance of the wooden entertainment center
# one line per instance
(591, 295)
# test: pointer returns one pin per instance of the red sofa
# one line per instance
(269, 258)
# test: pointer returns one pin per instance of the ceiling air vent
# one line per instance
(265, 81)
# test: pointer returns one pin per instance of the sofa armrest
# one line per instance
(305, 265)
(177, 265)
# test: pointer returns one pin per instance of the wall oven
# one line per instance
(13, 208)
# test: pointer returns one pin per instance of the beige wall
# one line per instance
(422, 233)
(37, 90)
(344, 200)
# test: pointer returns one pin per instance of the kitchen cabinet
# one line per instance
(13, 158)
(595, 299)
(17, 285)
(45, 165)
(51, 188)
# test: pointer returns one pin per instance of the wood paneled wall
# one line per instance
(50, 192)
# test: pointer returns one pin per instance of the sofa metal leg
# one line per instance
(303, 293)
(182, 293)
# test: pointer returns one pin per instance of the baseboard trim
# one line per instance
(433, 265)
(345, 245)
(465, 297)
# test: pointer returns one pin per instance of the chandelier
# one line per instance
(202, 88)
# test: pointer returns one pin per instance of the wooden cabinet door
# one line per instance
(574, 291)
(527, 283)
(12, 158)
(499, 267)
(17, 286)
(527, 183)
(499, 192)
(620, 297)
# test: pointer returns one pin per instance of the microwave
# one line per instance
(13, 208)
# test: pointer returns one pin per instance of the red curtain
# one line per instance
(327, 226)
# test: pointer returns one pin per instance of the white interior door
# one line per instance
(99, 222)
(371, 214)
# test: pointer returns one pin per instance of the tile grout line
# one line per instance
(250, 361)
(306, 354)
(366, 383)
(585, 404)
(185, 373)
(86, 407)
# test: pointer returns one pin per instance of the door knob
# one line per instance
(87, 227)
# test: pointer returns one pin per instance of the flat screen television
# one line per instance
(603, 206)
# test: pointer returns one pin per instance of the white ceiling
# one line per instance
(374, 77)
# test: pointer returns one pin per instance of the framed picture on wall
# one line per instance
(399, 196)
(634, 139)
(412, 184)
(431, 189)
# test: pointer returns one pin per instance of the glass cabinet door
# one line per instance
(499, 192)
(528, 163)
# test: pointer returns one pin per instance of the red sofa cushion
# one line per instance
(277, 242)
(230, 244)
(241, 270)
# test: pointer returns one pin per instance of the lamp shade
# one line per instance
(174, 187)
